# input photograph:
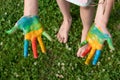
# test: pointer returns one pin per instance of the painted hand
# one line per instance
(33, 31)
(95, 40)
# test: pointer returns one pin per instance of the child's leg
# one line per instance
(86, 14)
(102, 15)
(62, 34)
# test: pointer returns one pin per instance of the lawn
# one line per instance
(60, 62)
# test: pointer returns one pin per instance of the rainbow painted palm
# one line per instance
(95, 40)
(33, 30)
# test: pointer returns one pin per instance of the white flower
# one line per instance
(67, 47)
(63, 68)
(18, 4)
(108, 58)
(58, 63)
(35, 63)
(112, 56)
(16, 74)
(28, 54)
(62, 64)
(5, 13)
(98, 63)
(1, 43)
(55, 30)
(103, 70)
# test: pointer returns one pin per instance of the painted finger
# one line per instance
(83, 43)
(96, 57)
(92, 52)
(47, 35)
(86, 51)
(41, 44)
(110, 43)
(12, 30)
(26, 44)
(34, 48)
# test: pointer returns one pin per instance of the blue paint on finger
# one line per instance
(26, 44)
(96, 57)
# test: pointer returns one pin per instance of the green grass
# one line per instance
(59, 63)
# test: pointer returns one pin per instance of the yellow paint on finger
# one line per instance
(90, 56)
(41, 44)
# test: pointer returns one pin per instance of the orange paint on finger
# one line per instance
(41, 44)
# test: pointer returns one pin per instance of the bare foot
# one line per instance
(83, 48)
(62, 34)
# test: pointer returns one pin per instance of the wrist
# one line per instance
(101, 22)
(30, 13)
(30, 7)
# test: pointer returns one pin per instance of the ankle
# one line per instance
(84, 34)
(100, 25)
(85, 29)
(68, 19)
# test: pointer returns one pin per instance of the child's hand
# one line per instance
(33, 30)
(95, 40)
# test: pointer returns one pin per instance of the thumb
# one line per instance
(47, 35)
(12, 30)
(110, 43)
(83, 43)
